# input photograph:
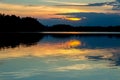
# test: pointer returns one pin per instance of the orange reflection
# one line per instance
(64, 49)
(73, 43)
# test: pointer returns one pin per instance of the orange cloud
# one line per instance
(50, 11)
(65, 3)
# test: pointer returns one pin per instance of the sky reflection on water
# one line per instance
(70, 58)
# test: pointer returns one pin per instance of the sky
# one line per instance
(72, 12)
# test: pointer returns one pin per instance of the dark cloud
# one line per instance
(91, 19)
(91, 4)
(118, 0)
(101, 4)
(116, 7)
(115, 4)
(98, 19)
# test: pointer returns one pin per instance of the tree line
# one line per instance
(13, 23)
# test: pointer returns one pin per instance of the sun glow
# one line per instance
(73, 19)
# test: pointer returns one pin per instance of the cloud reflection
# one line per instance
(51, 58)
(80, 67)
(65, 49)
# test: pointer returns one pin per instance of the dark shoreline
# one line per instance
(15, 39)
(62, 33)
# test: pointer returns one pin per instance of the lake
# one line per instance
(60, 57)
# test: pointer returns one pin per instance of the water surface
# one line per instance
(60, 57)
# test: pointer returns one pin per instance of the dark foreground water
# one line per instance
(59, 57)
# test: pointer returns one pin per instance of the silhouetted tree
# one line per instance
(12, 23)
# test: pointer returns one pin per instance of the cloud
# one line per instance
(41, 11)
(98, 19)
(115, 4)
(74, 67)
(91, 19)
(90, 4)
(118, 0)
(64, 3)
(80, 67)
(101, 4)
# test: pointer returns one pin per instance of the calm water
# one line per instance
(60, 57)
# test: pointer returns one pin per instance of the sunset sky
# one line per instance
(73, 12)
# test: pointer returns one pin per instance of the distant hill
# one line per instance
(63, 27)
(12, 23)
